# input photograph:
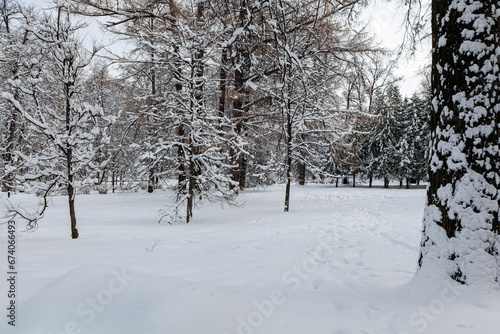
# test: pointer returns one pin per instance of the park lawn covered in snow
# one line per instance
(342, 261)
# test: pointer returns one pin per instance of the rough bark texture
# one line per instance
(461, 223)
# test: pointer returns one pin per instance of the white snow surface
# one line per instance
(342, 261)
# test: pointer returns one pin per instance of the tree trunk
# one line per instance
(223, 82)
(151, 181)
(190, 189)
(9, 149)
(302, 174)
(407, 183)
(241, 73)
(386, 182)
(354, 180)
(181, 173)
(69, 165)
(181, 169)
(288, 159)
(370, 181)
(243, 172)
(72, 212)
(461, 224)
(113, 178)
(71, 193)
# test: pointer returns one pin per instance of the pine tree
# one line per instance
(414, 139)
(380, 153)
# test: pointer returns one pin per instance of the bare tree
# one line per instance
(50, 102)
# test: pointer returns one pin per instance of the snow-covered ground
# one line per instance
(342, 261)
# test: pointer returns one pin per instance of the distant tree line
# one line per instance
(218, 96)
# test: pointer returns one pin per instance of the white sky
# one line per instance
(386, 22)
(385, 19)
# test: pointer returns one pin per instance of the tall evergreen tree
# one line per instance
(379, 154)
(414, 139)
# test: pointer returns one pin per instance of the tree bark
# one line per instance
(190, 190)
(71, 193)
(461, 224)
(69, 162)
(223, 82)
(8, 185)
(302, 174)
(151, 181)
(241, 74)
(288, 159)
(113, 178)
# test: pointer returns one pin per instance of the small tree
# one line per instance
(49, 100)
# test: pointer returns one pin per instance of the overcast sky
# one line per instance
(385, 19)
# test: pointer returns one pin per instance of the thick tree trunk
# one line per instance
(370, 181)
(407, 183)
(461, 224)
(354, 180)
(386, 182)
